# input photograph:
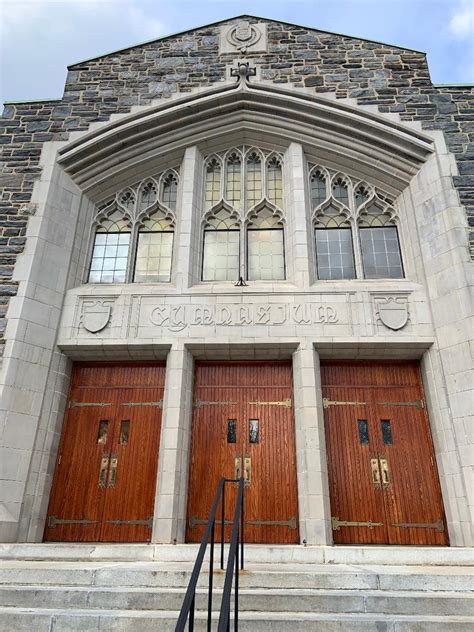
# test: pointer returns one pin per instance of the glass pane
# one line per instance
(386, 432)
(109, 258)
(339, 190)
(381, 253)
(147, 195)
(102, 431)
(170, 191)
(266, 258)
(253, 431)
(233, 181)
(254, 180)
(221, 255)
(153, 262)
(318, 188)
(363, 431)
(124, 431)
(213, 183)
(334, 253)
(274, 182)
(231, 431)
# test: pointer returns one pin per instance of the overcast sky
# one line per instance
(41, 37)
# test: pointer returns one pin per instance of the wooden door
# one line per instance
(105, 477)
(384, 486)
(243, 417)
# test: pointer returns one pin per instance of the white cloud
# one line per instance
(462, 22)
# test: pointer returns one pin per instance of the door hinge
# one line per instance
(60, 458)
(158, 404)
(438, 525)
(291, 523)
(54, 522)
(284, 402)
(329, 402)
(148, 522)
(418, 403)
(337, 524)
(74, 404)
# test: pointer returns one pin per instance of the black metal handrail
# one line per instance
(237, 538)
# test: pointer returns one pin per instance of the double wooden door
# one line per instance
(243, 426)
(384, 485)
(104, 484)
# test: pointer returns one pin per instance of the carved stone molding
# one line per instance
(243, 37)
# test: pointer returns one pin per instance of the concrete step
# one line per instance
(289, 576)
(274, 600)
(67, 620)
(255, 553)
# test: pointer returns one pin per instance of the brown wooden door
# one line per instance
(105, 477)
(384, 485)
(243, 417)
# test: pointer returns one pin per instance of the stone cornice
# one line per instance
(342, 135)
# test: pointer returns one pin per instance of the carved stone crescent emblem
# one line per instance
(96, 317)
(243, 35)
(394, 315)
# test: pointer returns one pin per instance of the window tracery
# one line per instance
(244, 199)
(134, 232)
(353, 221)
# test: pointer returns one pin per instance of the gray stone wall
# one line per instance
(393, 79)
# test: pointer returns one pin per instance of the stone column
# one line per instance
(171, 490)
(297, 204)
(186, 260)
(313, 490)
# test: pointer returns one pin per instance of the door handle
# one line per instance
(237, 467)
(385, 471)
(374, 466)
(104, 466)
(247, 471)
(113, 470)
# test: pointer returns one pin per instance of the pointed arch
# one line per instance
(147, 194)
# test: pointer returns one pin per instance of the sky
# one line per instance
(40, 38)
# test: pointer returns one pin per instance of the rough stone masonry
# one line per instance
(392, 78)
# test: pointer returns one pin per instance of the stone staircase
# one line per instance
(59, 588)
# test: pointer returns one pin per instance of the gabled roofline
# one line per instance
(236, 17)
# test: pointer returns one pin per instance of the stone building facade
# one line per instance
(360, 121)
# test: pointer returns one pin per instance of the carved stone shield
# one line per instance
(394, 315)
(96, 317)
(243, 31)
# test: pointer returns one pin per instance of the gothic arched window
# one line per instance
(221, 256)
(355, 228)
(110, 250)
(334, 250)
(154, 249)
(243, 217)
(379, 244)
(265, 247)
(134, 233)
